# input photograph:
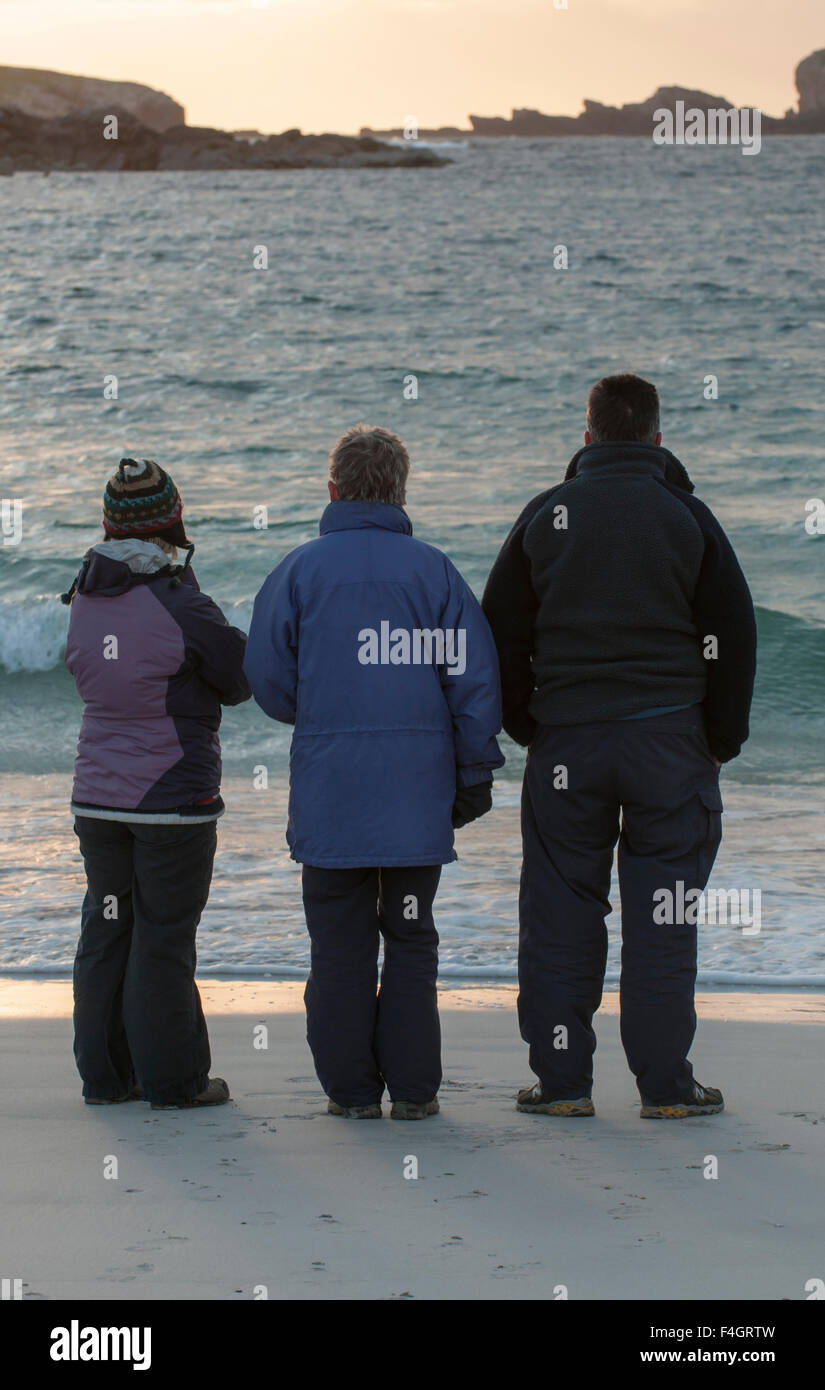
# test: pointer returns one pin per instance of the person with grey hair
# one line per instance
(372, 645)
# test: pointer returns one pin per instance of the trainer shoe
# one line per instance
(706, 1101)
(533, 1101)
(413, 1109)
(216, 1093)
(356, 1112)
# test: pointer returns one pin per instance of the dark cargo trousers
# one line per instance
(363, 1037)
(137, 1010)
(658, 775)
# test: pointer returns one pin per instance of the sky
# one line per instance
(341, 64)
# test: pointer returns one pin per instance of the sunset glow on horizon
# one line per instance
(343, 64)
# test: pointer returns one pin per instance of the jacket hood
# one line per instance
(142, 557)
(114, 567)
(621, 451)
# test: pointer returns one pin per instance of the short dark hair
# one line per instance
(623, 407)
(369, 464)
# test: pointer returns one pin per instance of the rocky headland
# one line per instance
(38, 92)
(58, 122)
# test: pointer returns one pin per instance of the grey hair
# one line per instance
(369, 464)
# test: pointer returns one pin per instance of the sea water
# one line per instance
(133, 321)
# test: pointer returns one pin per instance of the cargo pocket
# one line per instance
(710, 798)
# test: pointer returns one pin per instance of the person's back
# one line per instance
(373, 764)
(153, 660)
(616, 629)
(626, 641)
(143, 644)
(372, 645)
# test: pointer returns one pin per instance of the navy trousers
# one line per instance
(137, 1010)
(365, 1037)
(652, 785)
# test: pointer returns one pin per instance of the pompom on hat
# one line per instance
(141, 500)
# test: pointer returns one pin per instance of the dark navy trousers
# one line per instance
(652, 785)
(365, 1037)
(137, 1009)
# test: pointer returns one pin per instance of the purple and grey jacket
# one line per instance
(153, 660)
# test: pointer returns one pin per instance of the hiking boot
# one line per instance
(216, 1093)
(533, 1101)
(706, 1101)
(413, 1109)
(356, 1112)
(135, 1094)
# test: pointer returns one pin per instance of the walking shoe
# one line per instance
(413, 1109)
(706, 1101)
(356, 1112)
(533, 1101)
(135, 1094)
(216, 1093)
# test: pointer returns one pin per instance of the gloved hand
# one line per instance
(521, 728)
(472, 802)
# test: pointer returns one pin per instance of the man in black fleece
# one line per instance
(626, 638)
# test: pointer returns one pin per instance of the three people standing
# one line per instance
(623, 631)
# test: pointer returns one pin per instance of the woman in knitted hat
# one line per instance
(153, 660)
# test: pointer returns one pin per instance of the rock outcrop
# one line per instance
(667, 97)
(636, 117)
(78, 142)
(810, 83)
(39, 92)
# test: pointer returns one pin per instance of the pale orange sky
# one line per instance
(341, 64)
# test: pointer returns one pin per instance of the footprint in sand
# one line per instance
(263, 1218)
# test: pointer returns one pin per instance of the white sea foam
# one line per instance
(32, 633)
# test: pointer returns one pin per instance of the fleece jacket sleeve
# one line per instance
(510, 606)
(723, 609)
(472, 693)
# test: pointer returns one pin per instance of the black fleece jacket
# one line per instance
(605, 596)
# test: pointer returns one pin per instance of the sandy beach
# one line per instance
(270, 1197)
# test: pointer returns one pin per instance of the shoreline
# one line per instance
(448, 981)
(253, 926)
(34, 997)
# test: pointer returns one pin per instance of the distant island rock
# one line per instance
(636, 117)
(78, 141)
(810, 83)
(39, 92)
(442, 132)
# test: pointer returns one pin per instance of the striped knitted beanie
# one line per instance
(141, 500)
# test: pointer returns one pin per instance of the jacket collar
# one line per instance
(361, 516)
(619, 456)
